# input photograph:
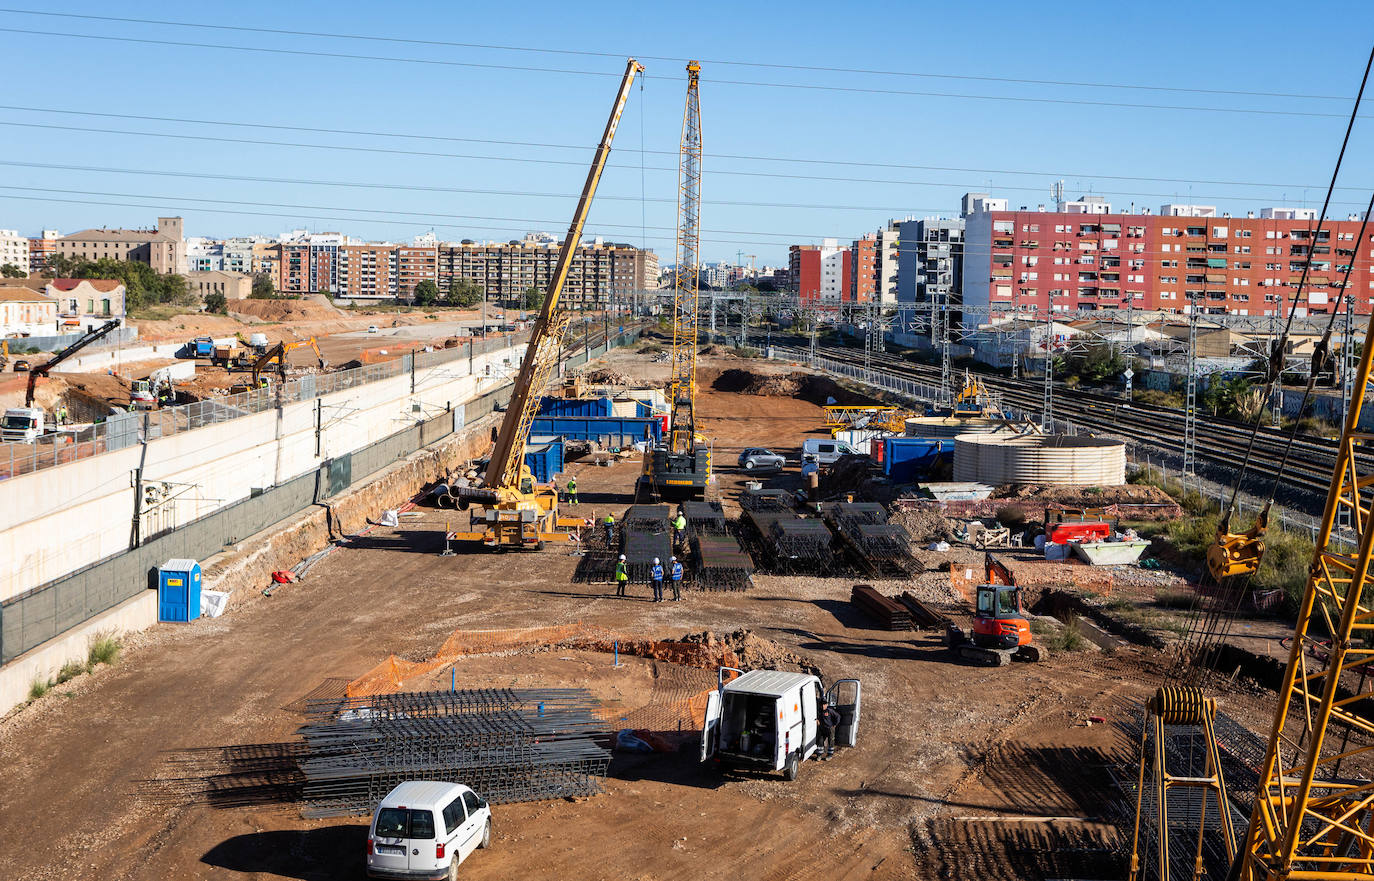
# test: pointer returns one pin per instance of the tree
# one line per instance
(263, 289)
(464, 292)
(533, 299)
(216, 303)
(426, 293)
(142, 285)
(9, 270)
(1101, 363)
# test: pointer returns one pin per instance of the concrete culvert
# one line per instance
(1052, 460)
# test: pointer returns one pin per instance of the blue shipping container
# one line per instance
(178, 591)
(908, 459)
(618, 431)
(544, 458)
(587, 408)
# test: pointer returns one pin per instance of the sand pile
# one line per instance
(752, 651)
(282, 310)
(924, 526)
(809, 387)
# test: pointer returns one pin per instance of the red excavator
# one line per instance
(1001, 634)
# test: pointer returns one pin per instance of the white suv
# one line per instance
(424, 829)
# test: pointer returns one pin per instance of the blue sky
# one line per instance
(759, 209)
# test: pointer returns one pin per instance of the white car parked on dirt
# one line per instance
(424, 829)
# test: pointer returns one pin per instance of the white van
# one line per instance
(424, 829)
(824, 451)
(766, 719)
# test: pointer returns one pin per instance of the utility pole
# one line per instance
(946, 387)
(1130, 350)
(1015, 339)
(1047, 404)
(1276, 391)
(1189, 470)
(1348, 358)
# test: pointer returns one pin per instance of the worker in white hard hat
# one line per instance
(622, 578)
(656, 576)
(675, 574)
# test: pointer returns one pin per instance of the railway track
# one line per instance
(1221, 444)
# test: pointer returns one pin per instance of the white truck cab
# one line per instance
(21, 425)
(424, 829)
(766, 719)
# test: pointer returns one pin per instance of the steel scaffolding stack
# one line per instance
(509, 745)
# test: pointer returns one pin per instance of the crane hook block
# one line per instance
(1237, 553)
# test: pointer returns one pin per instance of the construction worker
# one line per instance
(676, 575)
(62, 415)
(656, 576)
(622, 577)
(609, 524)
(679, 528)
(572, 490)
(826, 722)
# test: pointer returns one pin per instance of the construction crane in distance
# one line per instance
(680, 467)
(514, 512)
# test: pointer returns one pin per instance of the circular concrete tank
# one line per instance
(1051, 460)
(951, 426)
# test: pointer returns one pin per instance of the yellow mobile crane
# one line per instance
(513, 511)
(680, 467)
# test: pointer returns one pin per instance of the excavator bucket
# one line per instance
(1237, 553)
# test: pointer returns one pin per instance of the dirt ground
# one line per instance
(958, 769)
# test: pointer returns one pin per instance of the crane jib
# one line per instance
(541, 354)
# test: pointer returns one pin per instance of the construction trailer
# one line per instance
(510, 510)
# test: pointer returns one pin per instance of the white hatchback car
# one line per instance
(424, 829)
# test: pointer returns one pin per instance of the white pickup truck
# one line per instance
(22, 425)
(766, 719)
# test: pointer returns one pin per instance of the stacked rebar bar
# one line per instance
(875, 545)
(720, 564)
(802, 545)
(507, 744)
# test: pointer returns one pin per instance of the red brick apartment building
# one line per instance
(820, 274)
(414, 264)
(865, 267)
(1089, 257)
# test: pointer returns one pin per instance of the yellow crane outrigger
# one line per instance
(512, 510)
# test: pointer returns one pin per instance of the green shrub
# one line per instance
(1169, 400)
(1066, 638)
(70, 671)
(38, 688)
(1175, 599)
(104, 650)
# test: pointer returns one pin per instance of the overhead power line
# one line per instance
(181, 44)
(757, 64)
(316, 129)
(494, 158)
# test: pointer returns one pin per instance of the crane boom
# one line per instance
(682, 384)
(541, 355)
(1312, 818)
(86, 339)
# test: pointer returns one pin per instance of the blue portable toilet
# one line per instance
(178, 591)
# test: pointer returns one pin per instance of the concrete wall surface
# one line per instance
(56, 521)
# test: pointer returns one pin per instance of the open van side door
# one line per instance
(710, 729)
(845, 697)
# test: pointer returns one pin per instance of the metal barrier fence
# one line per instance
(33, 617)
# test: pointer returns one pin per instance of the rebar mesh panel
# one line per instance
(704, 517)
(641, 547)
(647, 516)
(765, 500)
(508, 745)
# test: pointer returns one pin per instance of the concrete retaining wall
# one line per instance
(54, 522)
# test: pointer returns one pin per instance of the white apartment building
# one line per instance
(14, 250)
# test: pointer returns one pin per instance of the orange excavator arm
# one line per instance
(997, 572)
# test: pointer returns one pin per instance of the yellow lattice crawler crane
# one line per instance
(509, 510)
(680, 467)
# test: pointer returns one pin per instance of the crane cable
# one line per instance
(1207, 631)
